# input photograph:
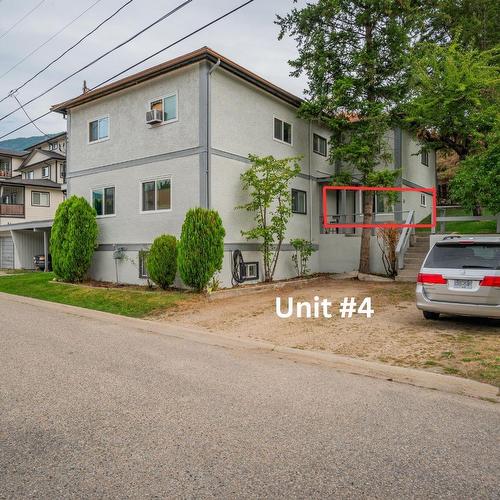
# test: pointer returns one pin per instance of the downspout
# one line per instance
(310, 185)
(209, 130)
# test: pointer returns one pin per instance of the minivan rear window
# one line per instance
(464, 256)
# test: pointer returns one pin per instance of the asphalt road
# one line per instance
(91, 409)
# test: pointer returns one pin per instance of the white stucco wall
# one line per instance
(129, 135)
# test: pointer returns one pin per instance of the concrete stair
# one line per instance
(414, 258)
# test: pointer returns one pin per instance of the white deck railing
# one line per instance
(405, 239)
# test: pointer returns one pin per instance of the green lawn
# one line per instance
(467, 227)
(124, 301)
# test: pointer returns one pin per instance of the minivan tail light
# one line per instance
(490, 281)
(431, 279)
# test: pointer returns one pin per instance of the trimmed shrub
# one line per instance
(73, 239)
(162, 261)
(201, 247)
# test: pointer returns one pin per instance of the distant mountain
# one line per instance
(21, 143)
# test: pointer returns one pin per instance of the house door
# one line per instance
(6, 253)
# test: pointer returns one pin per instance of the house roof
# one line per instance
(18, 181)
(50, 139)
(12, 152)
(203, 54)
(49, 155)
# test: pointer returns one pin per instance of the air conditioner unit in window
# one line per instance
(154, 116)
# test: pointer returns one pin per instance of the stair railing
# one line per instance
(405, 239)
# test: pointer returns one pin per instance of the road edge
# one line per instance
(356, 366)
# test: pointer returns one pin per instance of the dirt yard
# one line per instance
(396, 334)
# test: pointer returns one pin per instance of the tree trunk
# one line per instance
(364, 256)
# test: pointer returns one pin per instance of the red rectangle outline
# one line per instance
(373, 226)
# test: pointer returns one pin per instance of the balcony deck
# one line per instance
(11, 210)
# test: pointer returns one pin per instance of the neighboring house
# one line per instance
(29, 197)
(147, 148)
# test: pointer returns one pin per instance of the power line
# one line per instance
(70, 48)
(22, 19)
(48, 40)
(162, 18)
(145, 59)
(28, 116)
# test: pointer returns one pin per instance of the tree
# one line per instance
(201, 247)
(472, 23)
(268, 184)
(73, 239)
(355, 56)
(455, 103)
(162, 260)
(477, 181)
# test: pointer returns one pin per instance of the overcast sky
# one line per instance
(249, 37)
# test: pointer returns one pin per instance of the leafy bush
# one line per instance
(162, 260)
(73, 239)
(303, 250)
(201, 247)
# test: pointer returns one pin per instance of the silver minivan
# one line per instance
(461, 276)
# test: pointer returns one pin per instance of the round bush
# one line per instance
(73, 239)
(162, 261)
(201, 247)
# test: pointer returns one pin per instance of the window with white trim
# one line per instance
(45, 171)
(40, 199)
(30, 175)
(156, 195)
(282, 131)
(299, 202)
(99, 129)
(423, 200)
(103, 200)
(167, 105)
(320, 145)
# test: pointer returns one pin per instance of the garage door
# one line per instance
(6, 253)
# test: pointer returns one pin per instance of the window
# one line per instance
(103, 200)
(319, 145)
(250, 271)
(62, 171)
(45, 171)
(424, 157)
(299, 201)
(156, 195)
(381, 204)
(30, 175)
(39, 199)
(99, 130)
(168, 106)
(423, 200)
(282, 131)
(4, 167)
(143, 268)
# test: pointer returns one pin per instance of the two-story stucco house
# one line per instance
(29, 196)
(145, 149)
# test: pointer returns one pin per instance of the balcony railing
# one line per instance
(10, 210)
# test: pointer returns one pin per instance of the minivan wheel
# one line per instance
(430, 315)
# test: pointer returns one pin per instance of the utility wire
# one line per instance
(28, 116)
(22, 19)
(47, 41)
(162, 18)
(143, 60)
(175, 43)
(67, 50)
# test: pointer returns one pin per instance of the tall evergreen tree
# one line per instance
(355, 56)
